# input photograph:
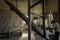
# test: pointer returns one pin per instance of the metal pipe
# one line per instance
(43, 18)
(36, 3)
(38, 15)
(59, 10)
(29, 19)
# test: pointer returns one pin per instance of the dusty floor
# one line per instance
(24, 37)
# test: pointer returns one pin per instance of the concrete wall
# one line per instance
(52, 6)
(8, 19)
(4, 21)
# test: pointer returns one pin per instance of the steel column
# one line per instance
(43, 18)
(59, 10)
(29, 21)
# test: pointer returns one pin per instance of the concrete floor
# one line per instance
(24, 37)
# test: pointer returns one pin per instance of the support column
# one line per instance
(29, 21)
(43, 18)
(59, 10)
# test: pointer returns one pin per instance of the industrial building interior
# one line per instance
(28, 19)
